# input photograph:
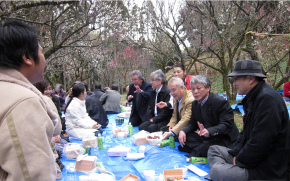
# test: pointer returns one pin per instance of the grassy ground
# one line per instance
(237, 115)
(238, 118)
(123, 98)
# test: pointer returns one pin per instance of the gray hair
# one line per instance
(58, 85)
(138, 73)
(158, 75)
(178, 81)
(203, 79)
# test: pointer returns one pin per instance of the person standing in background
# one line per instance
(179, 71)
(60, 93)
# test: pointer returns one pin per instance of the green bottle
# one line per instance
(172, 142)
(164, 143)
(197, 160)
(100, 142)
(130, 128)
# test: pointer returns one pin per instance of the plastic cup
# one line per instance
(149, 175)
(121, 135)
(142, 149)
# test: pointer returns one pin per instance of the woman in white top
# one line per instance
(78, 122)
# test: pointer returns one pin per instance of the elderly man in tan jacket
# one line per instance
(181, 107)
(27, 124)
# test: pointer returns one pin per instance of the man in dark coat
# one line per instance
(98, 91)
(95, 109)
(262, 150)
(139, 93)
(212, 115)
(157, 117)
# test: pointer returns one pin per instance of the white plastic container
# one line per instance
(121, 135)
(154, 138)
(71, 172)
(149, 175)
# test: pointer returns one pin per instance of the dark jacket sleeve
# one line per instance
(192, 125)
(150, 109)
(267, 116)
(131, 92)
(147, 89)
(57, 104)
(224, 118)
(165, 113)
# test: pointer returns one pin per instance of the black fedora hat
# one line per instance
(247, 67)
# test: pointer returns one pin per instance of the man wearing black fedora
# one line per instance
(262, 149)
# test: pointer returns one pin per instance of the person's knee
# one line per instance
(164, 129)
(143, 127)
(213, 150)
(216, 172)
(152, 128)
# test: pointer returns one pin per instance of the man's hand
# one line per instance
(182, 138)
(130, 97)
(202, 131)
(56, 139)
(234, 161)
(161, 105)
(138, 90)
(151, 120)
(96, 126)
(167, 135)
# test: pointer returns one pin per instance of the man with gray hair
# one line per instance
(157, 117)
(181, 107)
(262, 150)
(212, 115)
(139, 93)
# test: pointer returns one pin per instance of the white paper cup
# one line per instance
(142, 149)
(149, 175)
(121, 135)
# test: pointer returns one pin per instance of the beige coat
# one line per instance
(26, 129)
(184, 114)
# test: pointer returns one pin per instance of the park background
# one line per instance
(103, 41)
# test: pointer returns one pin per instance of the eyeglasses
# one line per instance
(134, 80)
(235, 78)
(238, 77)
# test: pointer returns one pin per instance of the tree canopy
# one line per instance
(103, 41)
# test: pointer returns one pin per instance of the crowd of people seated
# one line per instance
(185, 108)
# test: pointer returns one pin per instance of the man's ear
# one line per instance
(27, 59)
(252, 79)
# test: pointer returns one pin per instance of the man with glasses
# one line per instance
(261, 151)
(139, 93)
(157, 117)
(181, 107)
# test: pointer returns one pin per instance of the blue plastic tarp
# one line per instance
(156, 158)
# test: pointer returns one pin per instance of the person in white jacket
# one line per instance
(78, 122)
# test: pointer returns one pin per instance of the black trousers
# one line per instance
(152, 127)
(198, 145)
(135, 119)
